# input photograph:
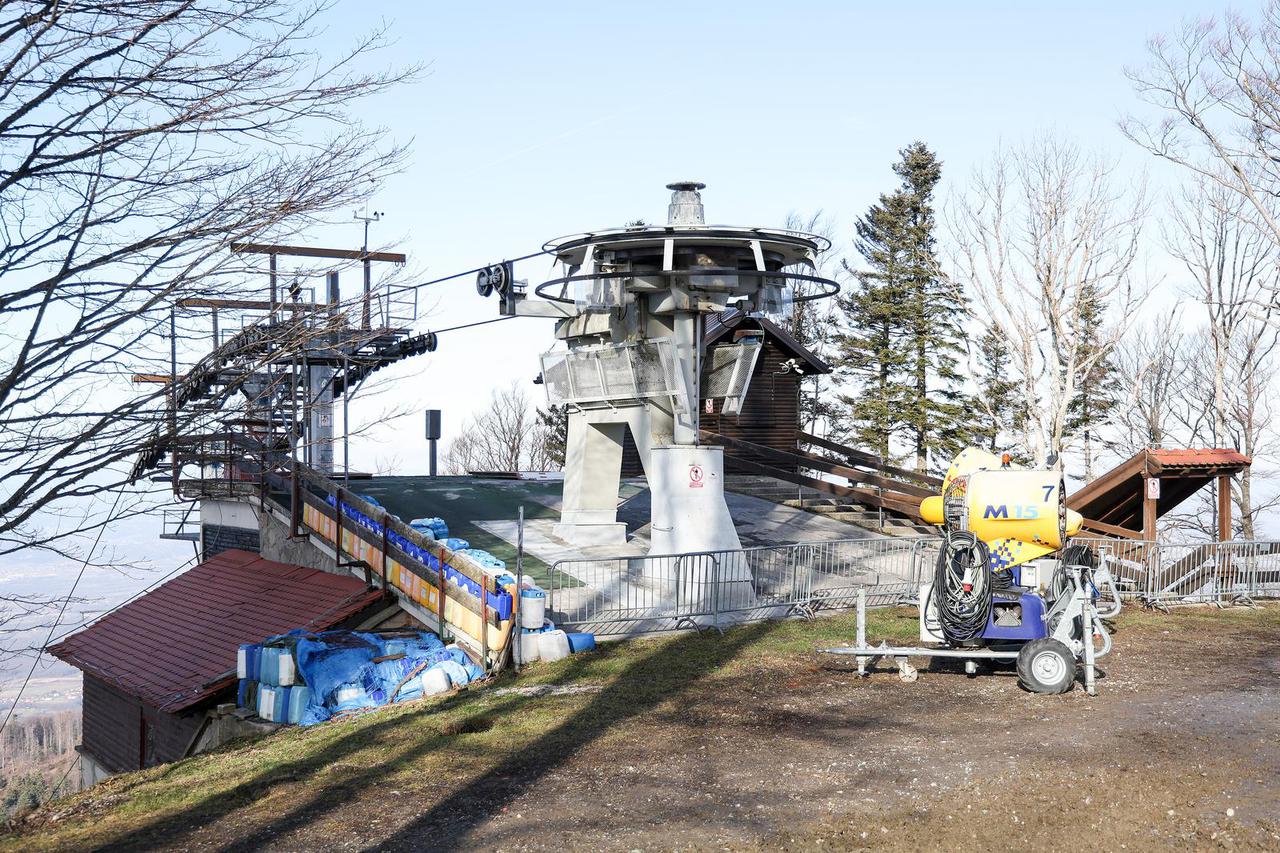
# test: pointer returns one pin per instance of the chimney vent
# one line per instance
(686, 203)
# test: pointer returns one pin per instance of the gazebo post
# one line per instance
(1224, 507)
(1150, 497)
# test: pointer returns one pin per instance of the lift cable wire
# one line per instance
(477, 323)
(53, 792)
(407, 287)
(61, 611)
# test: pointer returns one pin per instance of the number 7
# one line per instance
(1048, 493)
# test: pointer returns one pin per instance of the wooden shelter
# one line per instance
(1127, 501)
(154, 667)
(770, 415)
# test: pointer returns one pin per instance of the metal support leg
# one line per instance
(862, 629)
(1087, 625)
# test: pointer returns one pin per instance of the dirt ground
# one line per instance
(1180, 749)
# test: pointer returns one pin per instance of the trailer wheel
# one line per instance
(1046, 666)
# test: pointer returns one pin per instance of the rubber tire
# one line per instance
(1046, 645)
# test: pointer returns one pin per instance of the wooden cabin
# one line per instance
(770, 413)
(155, 668)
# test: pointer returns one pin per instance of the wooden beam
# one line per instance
(316, 252)
(1148, 511)
(817, 463)
(158, 378)
(860, 495)
(1110, 529)
(1224, 508)
(869, 460)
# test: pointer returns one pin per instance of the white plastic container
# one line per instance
(533, 608)
(529, 647)
(434, 681)
(553, 645)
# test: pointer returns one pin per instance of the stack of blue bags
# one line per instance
(334, 672)
(433, 527)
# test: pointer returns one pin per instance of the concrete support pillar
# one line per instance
(593, 467)
(320, 392)
(686, 339)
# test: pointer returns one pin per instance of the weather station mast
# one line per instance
(630, 307)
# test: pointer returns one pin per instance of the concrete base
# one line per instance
(689, 510)
(589, 535)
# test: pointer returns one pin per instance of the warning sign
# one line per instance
(695, 476)
(710, 406)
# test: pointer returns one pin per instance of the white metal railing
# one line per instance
(624, 595)
(627, 595)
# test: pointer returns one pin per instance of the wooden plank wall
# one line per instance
(770, 414)
(114, 729)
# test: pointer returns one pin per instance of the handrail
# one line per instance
(869, 460)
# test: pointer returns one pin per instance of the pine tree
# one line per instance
(1098, 385)
(997, 395)
(935, 410)
(553, 437)
(903, 324)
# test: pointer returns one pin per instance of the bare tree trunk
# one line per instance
(138, 140)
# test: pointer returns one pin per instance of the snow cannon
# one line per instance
(1021, 515)
(1008, 583)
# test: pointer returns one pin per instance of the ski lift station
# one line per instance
(691, 496)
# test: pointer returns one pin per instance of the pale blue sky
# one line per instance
(535, 120)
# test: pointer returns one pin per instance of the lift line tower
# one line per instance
(631, 306)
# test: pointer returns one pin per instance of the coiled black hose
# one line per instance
(962, 587)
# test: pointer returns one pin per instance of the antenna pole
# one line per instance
(376, 216)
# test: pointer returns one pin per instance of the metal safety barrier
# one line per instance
(627, 595)
(1159, 574)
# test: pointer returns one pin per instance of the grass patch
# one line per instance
(449, 753)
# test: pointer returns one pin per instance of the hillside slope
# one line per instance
(747, 740)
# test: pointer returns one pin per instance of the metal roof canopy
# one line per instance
(176, 645)
(1121, 503)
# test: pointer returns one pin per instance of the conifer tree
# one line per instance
(997, 400)
(935, 410)
(903, 337)
(1098, 388)
(869, 348)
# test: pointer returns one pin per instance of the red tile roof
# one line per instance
(1206, 457)
(169, 647)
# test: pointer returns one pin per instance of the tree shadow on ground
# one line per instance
(667, 671)
(640, 688)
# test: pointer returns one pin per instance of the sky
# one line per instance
(531, 121)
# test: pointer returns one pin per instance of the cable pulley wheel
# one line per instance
(498, 278)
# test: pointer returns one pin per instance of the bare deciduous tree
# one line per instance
(1231, 265)
(137, 140)
(1217, 81)
(1044, 230)
(503, 437)
(1149, 362)
(1226, 380)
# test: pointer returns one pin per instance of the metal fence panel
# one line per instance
(640, 594)
(627, 595)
